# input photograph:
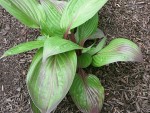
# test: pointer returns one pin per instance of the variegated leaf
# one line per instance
(51, 26)
(29, 12)
(56, 45)
(49, 82)
(87, 29)
(78, 12)
(87, 93)
(119, 49)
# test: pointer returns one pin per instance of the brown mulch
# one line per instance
(127, 85)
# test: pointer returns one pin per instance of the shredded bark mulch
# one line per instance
(127, 85)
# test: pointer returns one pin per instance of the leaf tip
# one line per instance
(139, 57)
(95, 110)
(3, 56)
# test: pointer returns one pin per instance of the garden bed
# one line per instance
(127, 85)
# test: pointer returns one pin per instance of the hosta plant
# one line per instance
(69, 42)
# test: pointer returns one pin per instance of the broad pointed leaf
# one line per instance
(24, 47)
(49, 82)
(118, 50)
(52, 24)
(78, 12)
(29, 12)
(84, 60)
(87, 93)
(56, 45)
(87, 29)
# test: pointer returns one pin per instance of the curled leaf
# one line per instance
(119, 49)
(87, 93)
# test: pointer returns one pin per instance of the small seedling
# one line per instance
(70, 42)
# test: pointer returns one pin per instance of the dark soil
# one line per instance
(127, 85)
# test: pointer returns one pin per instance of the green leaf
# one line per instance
(84, 60)
(49, 82)
(29, 12)
(87, 29)
(118, 50)
(78, 12)
(34, 108)
(43, 38)
(60, 5)
(52, 24)
(87, 93)
(24, 47)
(97, 35)
(85, 50)
(96, 49)
(56, 45)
